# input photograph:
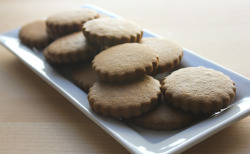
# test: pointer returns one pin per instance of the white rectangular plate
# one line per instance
(135, 139)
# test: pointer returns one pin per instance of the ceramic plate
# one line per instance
(136, 139)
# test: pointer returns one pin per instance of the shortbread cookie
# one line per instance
(199, 89)
(165, 117)
(170, 53)
(84, 76)
(124, 100)
(111, 31)
(125, 62)
(34, 35)
(63, 23)
(70, 48)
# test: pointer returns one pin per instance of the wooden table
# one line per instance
(34, 118)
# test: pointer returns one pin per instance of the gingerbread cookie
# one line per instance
(125, 62)
(84, 76)
(63, 23)
(111, 31)
(165, 117)
(124, 100)
(199, 90)
(70, 48)
(34, 35)
(170, 54)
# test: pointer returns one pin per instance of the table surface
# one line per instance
(34, 118)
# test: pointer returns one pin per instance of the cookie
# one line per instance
(124, 100)
(125, 62)
(170, 53)
(63, 23)
(84, 76)
(165, 117)
(199, 90)
(70, 48)
(34, 35)
(111, 31)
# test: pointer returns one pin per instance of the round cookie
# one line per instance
(84, 77)
(170, 53)
(71, 48)
(34, 34)
(125, 62)
(111, 31)
(199, 90)
(63, 23)
(165, 117)
(124, 100)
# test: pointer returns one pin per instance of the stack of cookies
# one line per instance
(116, 66)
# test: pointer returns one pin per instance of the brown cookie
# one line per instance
(34, 35)
(165, 117)
(199, 89)
(70, 48)
(125, 62)
(170, 54)
(84, 76)
(63, 23)
(111, 31)
(124, 100)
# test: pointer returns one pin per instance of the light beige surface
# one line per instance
(34, 118)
